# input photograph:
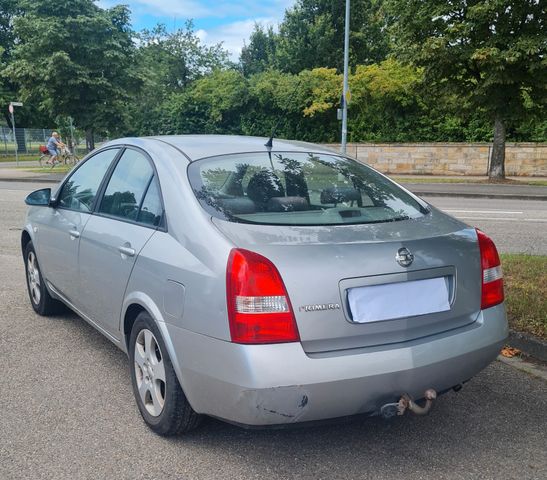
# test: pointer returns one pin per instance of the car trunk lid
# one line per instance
(339, 278)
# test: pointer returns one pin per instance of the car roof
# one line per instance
(195, 147)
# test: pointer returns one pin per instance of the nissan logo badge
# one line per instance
(404, 257)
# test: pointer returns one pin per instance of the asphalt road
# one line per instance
(516, 226)
(67, 411)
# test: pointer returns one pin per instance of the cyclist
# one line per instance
(53, 145)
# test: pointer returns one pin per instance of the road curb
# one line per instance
(537, 370)
(532, 346)
(32, 180)
(506, 196)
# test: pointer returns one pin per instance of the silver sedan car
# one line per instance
(264, 284)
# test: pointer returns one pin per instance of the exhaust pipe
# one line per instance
(405, 402)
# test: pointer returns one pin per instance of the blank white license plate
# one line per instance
(397, 300)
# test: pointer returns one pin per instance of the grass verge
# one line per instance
(47, 169)
(525, 278)
(22, 158)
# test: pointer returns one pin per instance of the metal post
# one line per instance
(72, 144)
(25, 140)
(346, 83)
(15, 138)
(12, 106)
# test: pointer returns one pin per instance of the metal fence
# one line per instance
(28, 140)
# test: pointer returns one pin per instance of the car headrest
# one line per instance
(287, 204)
(296, 185)
(338, 195)
(237, 205)
(264, 185)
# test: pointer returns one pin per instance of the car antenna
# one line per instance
(269, 143)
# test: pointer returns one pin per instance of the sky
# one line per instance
(227, 21)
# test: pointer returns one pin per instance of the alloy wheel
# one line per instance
(149, 372)
(33, 275)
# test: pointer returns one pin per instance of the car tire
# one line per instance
(40, 299)
(157, 391)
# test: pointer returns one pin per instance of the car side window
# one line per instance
(152, 210)
(79, 191)
(127, 186)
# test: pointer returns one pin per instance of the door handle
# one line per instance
(130, 252)
(74, 234)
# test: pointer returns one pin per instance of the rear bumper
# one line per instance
(280, 384)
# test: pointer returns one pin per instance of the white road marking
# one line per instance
(484, 211)
(502, 219)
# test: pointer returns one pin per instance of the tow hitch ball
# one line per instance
(406, 403)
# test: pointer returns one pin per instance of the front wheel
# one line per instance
(160, 398)
(71, 160)
(43, 159)
(40, 299)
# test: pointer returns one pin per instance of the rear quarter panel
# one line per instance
(192, 253)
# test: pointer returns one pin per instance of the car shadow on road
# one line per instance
(500, 414)
(482, 421)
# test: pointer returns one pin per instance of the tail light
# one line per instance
(492, 276)
(259, 310)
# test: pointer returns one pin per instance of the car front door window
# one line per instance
(79, 192)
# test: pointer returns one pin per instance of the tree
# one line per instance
(301, 106)
(168, 63)
(73, 58)
(8, 10)
(271, 104)
(312, 35)
(259, 55)
(9, 88)
(386, 102)
(489, 53)
(176, 59)
(212, 104)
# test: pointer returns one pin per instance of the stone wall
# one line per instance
(521, 159)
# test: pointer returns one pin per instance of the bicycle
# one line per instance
(65, 156)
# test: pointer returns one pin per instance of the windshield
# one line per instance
(298, 189)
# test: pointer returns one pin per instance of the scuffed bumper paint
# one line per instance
(271, 405)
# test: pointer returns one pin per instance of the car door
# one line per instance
(125, 218)
(59, 227)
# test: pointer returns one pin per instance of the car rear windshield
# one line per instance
(298, 189)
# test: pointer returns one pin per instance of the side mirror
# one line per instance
(39, 197)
